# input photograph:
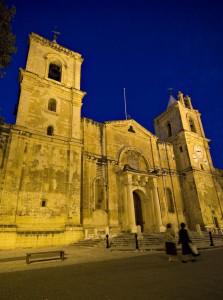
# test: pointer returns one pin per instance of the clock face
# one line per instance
(198, 151)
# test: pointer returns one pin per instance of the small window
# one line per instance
(181, 149)
(52, 105)
(169, 130)
(43, 203)
(54, 72)
(50, 130)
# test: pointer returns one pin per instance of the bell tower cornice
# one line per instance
(51, 44)
(44, 82)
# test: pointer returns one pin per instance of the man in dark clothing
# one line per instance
(184, 240)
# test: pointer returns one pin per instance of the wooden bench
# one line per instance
(47, 255)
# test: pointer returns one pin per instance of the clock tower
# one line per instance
(181, 126)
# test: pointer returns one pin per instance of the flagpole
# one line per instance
(125, 105)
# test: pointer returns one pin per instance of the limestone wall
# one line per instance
(41, 183)
(210, 199)
(11, 239)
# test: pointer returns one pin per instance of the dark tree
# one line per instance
(7, 39)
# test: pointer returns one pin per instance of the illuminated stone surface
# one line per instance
(64, 177)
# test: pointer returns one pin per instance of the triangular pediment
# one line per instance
(130, 126)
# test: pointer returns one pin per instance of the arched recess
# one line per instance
(50, 130)
(169, 200)
(99, 189)
(134, 158)
(169, 129)
(144, 211)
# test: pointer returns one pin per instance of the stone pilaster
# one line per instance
(157, 205)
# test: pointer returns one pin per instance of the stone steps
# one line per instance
(145, 242)
(128, 241)
(90, 243)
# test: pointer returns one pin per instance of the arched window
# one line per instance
(55, 72)
(169, 129)
(50, 130)
(169, 200)
(99, 194)
(52, 105)
(192, 127)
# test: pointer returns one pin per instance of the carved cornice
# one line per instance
(98, 158)
(44, 82)
(55, 46)
(87, 120)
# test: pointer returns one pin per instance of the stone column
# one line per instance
(131, 209)
(125, 206)
(157, 205)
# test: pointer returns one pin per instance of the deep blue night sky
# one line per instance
(143, 46)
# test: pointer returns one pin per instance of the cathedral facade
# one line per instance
(64, 177)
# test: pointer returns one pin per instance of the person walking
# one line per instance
(184, 240)
(170, 243)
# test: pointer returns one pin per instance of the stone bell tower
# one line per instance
(181, 126)
(43, 171)
(50, 96)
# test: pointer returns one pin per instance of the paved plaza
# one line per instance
(103, 274)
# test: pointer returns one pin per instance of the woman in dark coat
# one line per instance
(184, 240)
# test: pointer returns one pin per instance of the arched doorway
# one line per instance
(138, 210)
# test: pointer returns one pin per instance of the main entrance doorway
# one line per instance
(138, 210)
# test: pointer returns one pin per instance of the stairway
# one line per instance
(146, 242)
(91, 243)
(205, 238)
(124, 242)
